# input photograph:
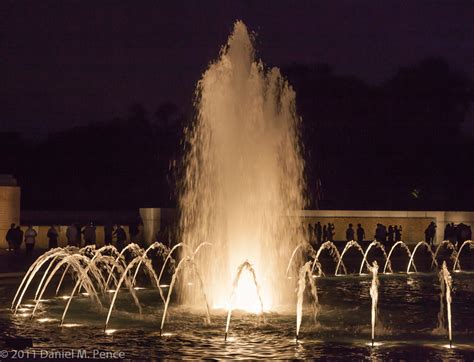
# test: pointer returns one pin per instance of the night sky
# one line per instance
(66, 63)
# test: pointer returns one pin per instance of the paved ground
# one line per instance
(16, 263)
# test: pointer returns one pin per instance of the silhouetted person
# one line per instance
(350, 233)
(310, 233)
(331, 232)
(18, 238)
(325, 233)
(30, 240)
(360, 233)
(10, 237)
(453, 236)
(133, 231)
(398, 235)
(108, 233)
(79, 234)
(378, 233)
(53, 237)
(391, 235)
(447, 231)
(319, 232)
(384, 234)
(121, 236)
(430, 233)
(89, 234)
(400, 229)
(462, 233)
(71, 235)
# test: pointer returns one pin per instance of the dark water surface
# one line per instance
(407, 328)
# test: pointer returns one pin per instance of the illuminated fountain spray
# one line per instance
(405, 247)
(379, 245)
(349, 245)
(306, 274)
(244, 266)
(243, 178)
(449, 246)
(457, 264)
(446, 284)
(428, 247)
(374, 294)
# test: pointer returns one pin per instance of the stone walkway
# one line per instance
(12, 264)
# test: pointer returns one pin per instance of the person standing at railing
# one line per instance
(121, 237)
(89, 234)
(53, 237)
(18, 238)
(319, 233)
(350, 233)
(30, 240)
(10, 237)
(108, 233)
(71, 235)
(360, 233)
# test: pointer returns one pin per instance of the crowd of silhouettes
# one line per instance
(319, 234)
(388, 236)
(76, 235)
(14, 238)
(113, 235)
(457, 233)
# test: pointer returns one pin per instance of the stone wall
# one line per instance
(154, 219)
(413, 223)
(9, 210)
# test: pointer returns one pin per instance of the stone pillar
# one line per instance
(151, 218)
(9, 206)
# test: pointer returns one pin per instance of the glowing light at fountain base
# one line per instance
(246, 297)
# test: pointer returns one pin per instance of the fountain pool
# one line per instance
(408, 306)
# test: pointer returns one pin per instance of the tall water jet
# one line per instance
(243, 184)
(374, 294)
(306, 274)
(446, 285)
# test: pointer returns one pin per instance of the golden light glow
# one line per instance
(45, 320)
(246, 297)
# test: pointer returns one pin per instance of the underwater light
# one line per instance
(45, 320)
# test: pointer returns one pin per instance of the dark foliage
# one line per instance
(398, 145)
